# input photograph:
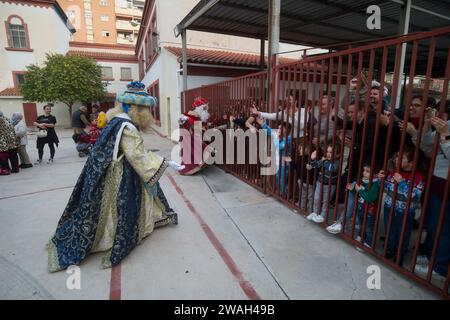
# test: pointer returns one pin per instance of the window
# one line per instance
(17, 34)
(18, 78)
(104, 18)
(103, 3)
(71, 14)
(107, 73)
(151, 43)
(153, 90)
(105, 33)
(125, 74)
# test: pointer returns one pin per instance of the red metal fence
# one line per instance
(399, 210)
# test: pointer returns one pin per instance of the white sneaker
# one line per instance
(38, 162)
(311, 216)
(50, 161)
(335, 228)
(422, 260)
(365, 244)
(318, 219)
(423, 271)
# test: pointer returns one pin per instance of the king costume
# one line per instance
(117, 200)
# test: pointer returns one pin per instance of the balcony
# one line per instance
(128, 38)
(127, 25)
(135, 12)
(122, 40)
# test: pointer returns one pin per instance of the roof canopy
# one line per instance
(329, 24)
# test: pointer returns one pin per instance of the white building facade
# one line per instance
(30, 30)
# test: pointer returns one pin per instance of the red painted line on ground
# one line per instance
(115, 288)
(244, 284)
(34, 192)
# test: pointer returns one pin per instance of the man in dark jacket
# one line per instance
(80, 120)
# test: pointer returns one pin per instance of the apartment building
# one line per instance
(104, 21)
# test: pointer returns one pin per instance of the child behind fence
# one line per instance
(404, 180)
(328, 168)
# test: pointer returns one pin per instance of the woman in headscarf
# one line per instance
(8, 147)
(21, 132)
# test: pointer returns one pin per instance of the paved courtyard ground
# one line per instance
(232, 242)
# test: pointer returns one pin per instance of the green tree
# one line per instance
(65, 79)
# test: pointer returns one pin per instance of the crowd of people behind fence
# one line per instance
(346, 151)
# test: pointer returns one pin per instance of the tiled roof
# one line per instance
(11, 92)
(222, 57)
(101, 55)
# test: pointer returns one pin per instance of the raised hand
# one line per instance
(440, 125)
(410, 129)
(398, 177)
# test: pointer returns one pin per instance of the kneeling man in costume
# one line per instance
(117, 200)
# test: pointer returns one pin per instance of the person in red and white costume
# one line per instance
(194, 121)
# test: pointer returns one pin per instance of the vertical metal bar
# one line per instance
(432, 165)
(350, 161)
(388, 144)
(303, 146)
(184, 57)
(363, 143)
(327, 125)
(344, 127)
(308, 173)
(336, 109)
(374, 148)
(319, 125)
(294, 139)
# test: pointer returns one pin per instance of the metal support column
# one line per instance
(403, 29)
(184, 50)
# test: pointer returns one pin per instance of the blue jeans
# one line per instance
(283, 183)
(350, 208)
(325, 190)
(396, 229)
(443, 252)
(370, 223)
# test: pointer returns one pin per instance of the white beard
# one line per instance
(202, 112)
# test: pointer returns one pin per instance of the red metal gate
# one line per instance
(334, 106)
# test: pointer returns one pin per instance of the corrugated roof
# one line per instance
(329, 24)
